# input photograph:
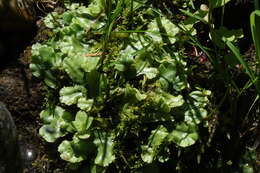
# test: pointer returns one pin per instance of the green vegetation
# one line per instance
(123, 94)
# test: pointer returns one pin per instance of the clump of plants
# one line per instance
(118, 96)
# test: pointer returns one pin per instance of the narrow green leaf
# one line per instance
(194, 17)
(105, 153)
(154, 30)
(218, 3)
(93, 83)
(236, 52)
(221, 35)
(255, 30)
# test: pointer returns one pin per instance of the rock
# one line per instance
(23, 9)
(16, 32)
(9, 150)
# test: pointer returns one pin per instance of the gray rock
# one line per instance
(9, 148)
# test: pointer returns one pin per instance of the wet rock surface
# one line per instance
(9, 151)
(22, 97)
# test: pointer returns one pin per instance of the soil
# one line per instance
(23, 96)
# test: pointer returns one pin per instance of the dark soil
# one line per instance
(23, 96)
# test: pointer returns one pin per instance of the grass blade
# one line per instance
(237, 54)
(255, 29)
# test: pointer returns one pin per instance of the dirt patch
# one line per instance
(24, 96)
